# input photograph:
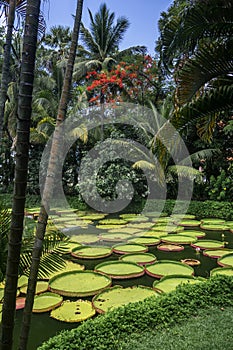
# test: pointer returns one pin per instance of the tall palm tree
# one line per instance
(101, 42)
(6, 62)
(22, 152)
(199, 44)
(59, 38)
(49, 183)
(8, 9)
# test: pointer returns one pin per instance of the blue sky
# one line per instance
(143, 17)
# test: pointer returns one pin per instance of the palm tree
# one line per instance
(101, 42)
(199, 44)
(59, 39)
(6, 62)
(49, 183)
(22, 151)
(8, 9)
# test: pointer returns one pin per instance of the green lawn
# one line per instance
(210, 330)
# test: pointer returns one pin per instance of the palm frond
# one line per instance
(206, 108)
(52, 259)
(80, 132)
(209, 19)
(210, 61)
(21, 10)
(144, 165)
(185, 171)
(196, 157)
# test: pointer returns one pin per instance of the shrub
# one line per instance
(105, 331)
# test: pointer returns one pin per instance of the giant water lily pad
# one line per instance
(139, 258)
(212, 221)
(91, 252)
(226, 271)
(168, 283)
(189, 223)
(22, 281)
(70, 245)
(92, 217)
(138, 218)
(163, 220)
(129, 248)
(208, 244)
(193, 233)
(178, 238)
(226, 260)
(191, 262)
(85, 238)
(170, 247)
(73, 311)
(167, 228)
(168, 267)
(145, 240)
(141, 225)
(109, 227)
(41, 286)
(120, 269)
(118, 296)
(214, 227)
(114, 236)
(183, 216)
(46, 302)
(112, 222)
(128, 215)
(79, 283)
(69, 266)
(155, 214)
(125, 229)
(217, 253)
(153, 233)
(20, 303)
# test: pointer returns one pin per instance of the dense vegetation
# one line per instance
(132, 76)
(189, 82)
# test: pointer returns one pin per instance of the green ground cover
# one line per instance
(210, 329)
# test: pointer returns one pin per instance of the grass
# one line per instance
(210, 329)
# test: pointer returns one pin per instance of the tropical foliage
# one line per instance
(197, 44)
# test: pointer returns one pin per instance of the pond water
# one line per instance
(44, 327)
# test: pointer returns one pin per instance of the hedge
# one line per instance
(213, 209)
(106, 331)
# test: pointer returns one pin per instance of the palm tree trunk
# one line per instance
(21, 168)
(49, 182)
(6, 63)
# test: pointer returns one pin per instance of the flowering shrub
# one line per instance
(132, 82)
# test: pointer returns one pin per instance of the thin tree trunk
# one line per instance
(21, 168)
(6, 63)
(49, 182)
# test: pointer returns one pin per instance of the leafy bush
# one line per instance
(213, 209)
(105, 331)
(220, 188)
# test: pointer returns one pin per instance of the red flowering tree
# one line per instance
(134, 82)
